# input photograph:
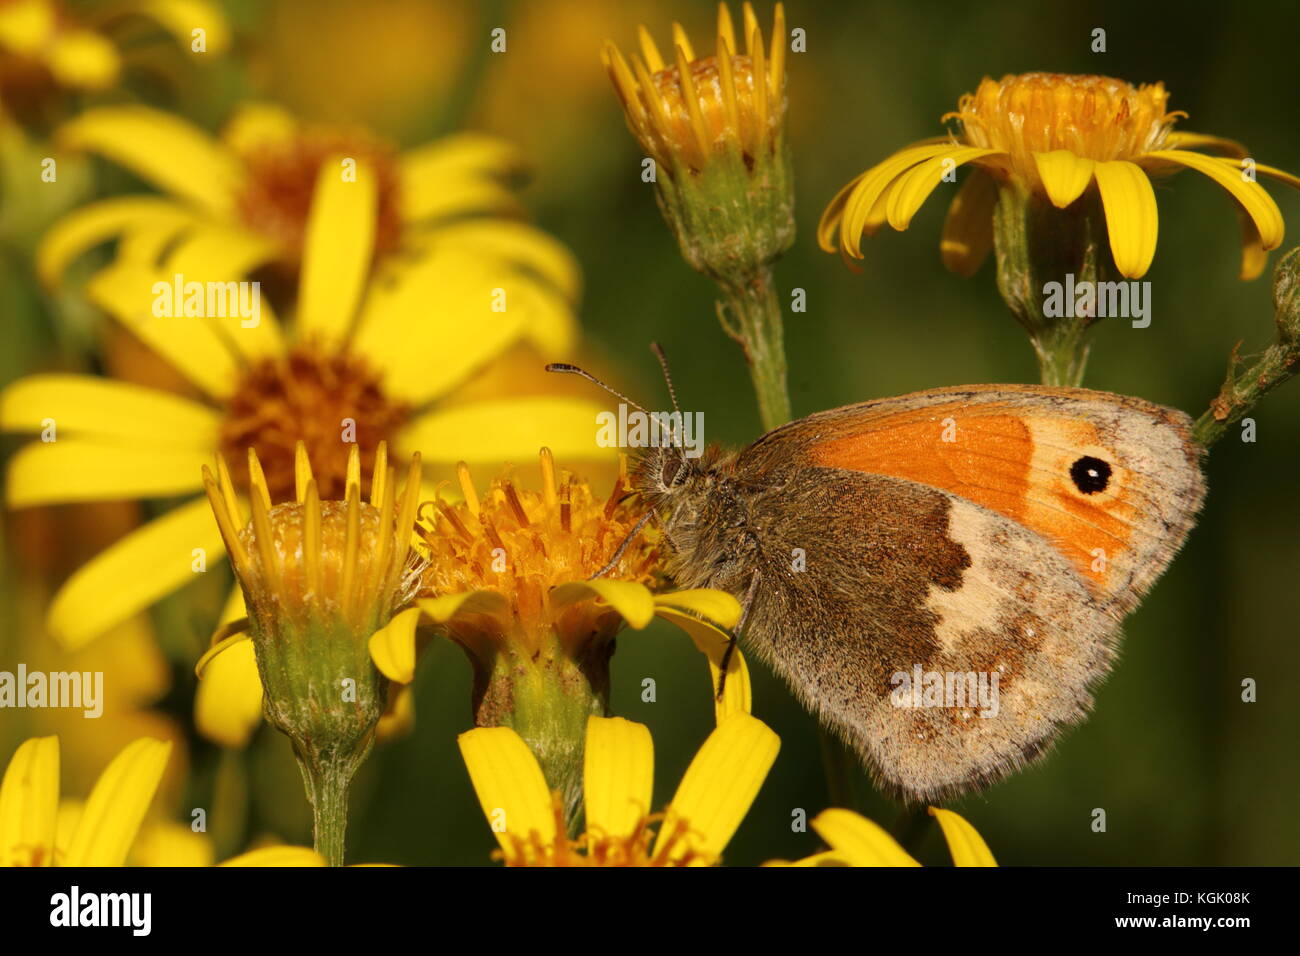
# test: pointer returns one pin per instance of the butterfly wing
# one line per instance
(944, 574)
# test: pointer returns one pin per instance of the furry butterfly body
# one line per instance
(991, 533)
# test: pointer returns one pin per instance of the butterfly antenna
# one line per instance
(663, 364)
(574, 370)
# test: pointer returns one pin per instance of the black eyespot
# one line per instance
(1090, 475)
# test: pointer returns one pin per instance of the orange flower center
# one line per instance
(711, 95)
(1094, 117)
(277, 196)
(523, 543)
(328, 401)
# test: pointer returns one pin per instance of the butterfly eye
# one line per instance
(1090, 475)
(672, 471)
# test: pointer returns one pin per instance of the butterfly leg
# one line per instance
(745, 606)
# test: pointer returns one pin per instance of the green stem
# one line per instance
(1240, 394)
(326, 781)
(1062, 352)
(752, 316)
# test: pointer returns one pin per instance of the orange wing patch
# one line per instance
(1047, 473)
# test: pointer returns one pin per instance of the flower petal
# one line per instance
(915, 186)
(859, 205)
(1228, 174)
(859, 841)
(181, 17)
(337, 248)
(83, 59)
(84, 469)
(190, 344)
(392, 647)
(228, 702)
(257, 126)
(618, 776)
(443, 609)
(29, 803)
(277, 856)
(1185, 139)
(1132, 219)
(518, 243)
(968, 228)
(511, 789)
(169, 152)
(131, 574)
(108, 410)
(117, 805)
(718, 789)
(456, 175)
(506, 430)
(166, 843)
(1065, 176)
(98, 222)
(1253, 255)
(964, 842)
(633, 601)
(707, 617)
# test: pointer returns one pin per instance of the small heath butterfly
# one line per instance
(940, 577)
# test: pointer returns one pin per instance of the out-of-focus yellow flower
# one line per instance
(856, 841)
(364, 362)
(712, 799)
(1056, 136)
(249, 198)
(105, 826)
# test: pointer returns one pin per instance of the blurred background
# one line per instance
(1186, 772)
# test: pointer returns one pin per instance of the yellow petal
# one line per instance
(116, 412)
(398, 332)
(84, 469)
(98, 222)
(862, 200)
(117, 805)
(399, 718)
(181, 17)
(707, 617)
(915, 186)
(631, 600)
(82, 59)
(859, 841)
(217, 257)
(1065, 176)
(163, 149)
(968, 228)
(277, 856)
(29, 803)
(443, 609)
(228, 701)
(1281, 175)
(518, 243)
(1132, 220)
(256, 126)
(392, 647)
(337, 248)
(964, 842)
(131, 574)
(511, 789)
(165, 843)
(456, 175)
(1188, 140)
(718, 788)
(191, 345)
(1228, 174)
(27, 26)
(618, 776)
(507, 430)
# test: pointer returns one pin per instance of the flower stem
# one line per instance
(751, 314)
(326, 781)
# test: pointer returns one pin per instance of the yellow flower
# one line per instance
(856, 841)
(105, 827)
(364, 361)
(618, 776)
(510, 576)
(250, 199)
(1055, 136)
(686, 109)
(45, 43)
